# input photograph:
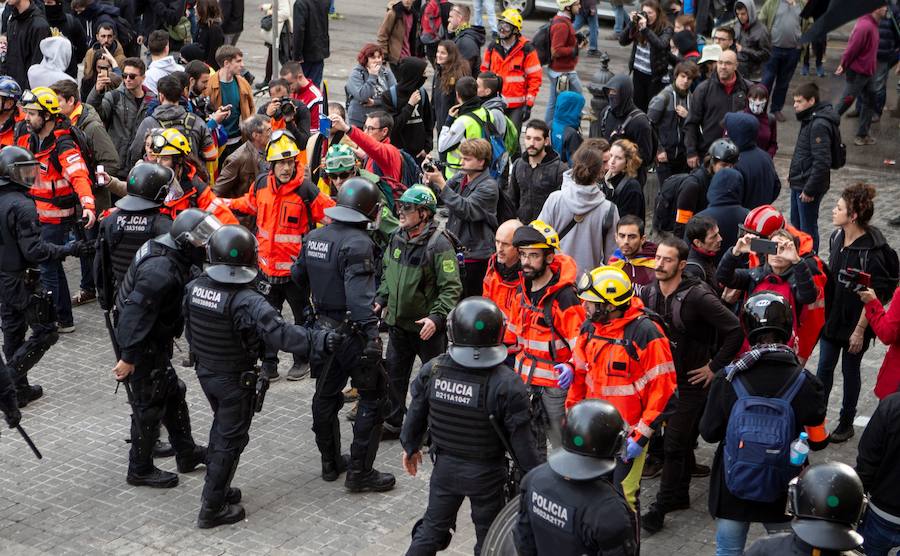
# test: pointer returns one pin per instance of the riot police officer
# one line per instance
(458, 394)
(827, 501)
(149, 319)
(228, 325)
(569, 504)
(23, 302)
(337, 262)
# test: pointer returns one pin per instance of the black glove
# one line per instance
(13, 416)
(82, 248)
(333, 340)
(373, 351)
(526, 113)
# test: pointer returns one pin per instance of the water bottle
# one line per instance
(800, 449)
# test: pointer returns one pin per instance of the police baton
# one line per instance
(506, 445)
(37, 453)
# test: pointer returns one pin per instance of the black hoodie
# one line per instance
(72, 29)
(529, 187)
(638, 130)
(413, 129)
(25, 31)
(469, 42)
(810, 170)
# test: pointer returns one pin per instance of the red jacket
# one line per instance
(385, 155)
(63, 178)
(502, 293)
(312, 97)
(861, 52)
(520, 70)
(198, 194)
(8, 129)
(886, 326)
(563, 44)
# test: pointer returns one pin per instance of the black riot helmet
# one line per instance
(475, 329)
(18, 166)
(592, 436)
(359, 200)
(767, 311)
(725, 150)
(827, 501)
(232, 251)
(193, 227)
(147, 186)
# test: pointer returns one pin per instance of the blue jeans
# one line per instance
(488, 6)
(778, 71)
(805, 216)
(593, 23)
(882, 71)
(53, 277)
(850, 362)
(574, 85)
(862, 87)
(880, 534)
(731, 535)
(621, 18)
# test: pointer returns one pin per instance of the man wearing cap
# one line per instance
(465, 398)
(570, 505)
(419, 287)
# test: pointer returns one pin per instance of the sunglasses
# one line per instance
(341, 176)
(406, 208)
(130, 76)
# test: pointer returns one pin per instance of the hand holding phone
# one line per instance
(763, 246)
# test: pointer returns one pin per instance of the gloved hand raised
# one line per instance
(632, 450)
(566, 374)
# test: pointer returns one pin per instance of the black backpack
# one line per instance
(666, 203)
(185, 125)
(838, 148)
(541, 42)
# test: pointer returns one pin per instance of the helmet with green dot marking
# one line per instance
(475, 328)
(232, 253)
(827, 501)
(593, 433)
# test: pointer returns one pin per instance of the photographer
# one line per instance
(858, 253)
(106, 48)
(287, 113)
(649, 33)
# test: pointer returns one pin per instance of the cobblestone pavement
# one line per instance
(76, 501)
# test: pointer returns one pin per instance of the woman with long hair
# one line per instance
(649, 33)
(855, 244)
(620, 183)
(209, 30)
(449, 68)
(370, 79)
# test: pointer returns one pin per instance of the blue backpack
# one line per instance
(499, 154)
(758, 443)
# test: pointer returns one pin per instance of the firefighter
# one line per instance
(10, 113)
(504, 277)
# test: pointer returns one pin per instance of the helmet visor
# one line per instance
(24, 173)
(174, 192)
(199, 236)
(375, 223)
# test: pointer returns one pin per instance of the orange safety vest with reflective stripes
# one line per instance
(63, 180)
(632, 370)
(541, 344)
(8, 128)
(502, 293)
(282, 218)
(198, 194)
(520, 70)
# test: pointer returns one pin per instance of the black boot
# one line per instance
(154, 478)
(369, 481)
(842, 433)
(189, 461)
(163, 450)
(332, 469)
(223, 515)
(29, 394)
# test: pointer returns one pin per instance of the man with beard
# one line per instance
(503, 278)
(623, 120)
(546, 319)
(419, 287)
(705, 241)
(694, 316)
(538, 174)
(635, 254)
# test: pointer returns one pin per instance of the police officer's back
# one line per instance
(455, 397)
(569, 505)
(228, 323)
(827, 502)
(338, 263)
(22, 301)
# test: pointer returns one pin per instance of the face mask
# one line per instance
(614, 101)
(757, 106)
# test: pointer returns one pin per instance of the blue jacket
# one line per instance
(888, 35)
(761, 181)
(724, 196)
(565, 133)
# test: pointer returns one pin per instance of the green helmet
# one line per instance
(338, 159)
(420, 195)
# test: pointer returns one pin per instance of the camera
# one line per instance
(854, 279)
(287, 108)
(635, 18)
(429, 166)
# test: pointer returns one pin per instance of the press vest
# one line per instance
(126, 232)
(458, 414)
(214, 340)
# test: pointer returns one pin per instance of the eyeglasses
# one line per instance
(373, 128)
(341, 176)
(130, 75)
(406, 208)
(721, 39)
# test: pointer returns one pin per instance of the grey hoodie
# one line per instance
(756, 47)
(582, 242)
(57, 53)
(159, 69)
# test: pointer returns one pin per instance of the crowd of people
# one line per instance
(510, 254)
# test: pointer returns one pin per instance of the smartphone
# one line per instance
(865, 279)
(103, 72)
(763, 246)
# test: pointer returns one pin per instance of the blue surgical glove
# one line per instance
(632, 450)
(566, 374)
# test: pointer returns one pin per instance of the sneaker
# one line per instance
(65, 328)
(700, 470)
(820, 71)
(83, 297)
(612, 36)
(852, 114)
(842, 433)
(804, 71)
(653, 521)
(863, 141)
(876, 118)
(298, 371)
(336, 16)
(779, 116)
(594, 53)
(652, 468)
(895, 222)
(270, 373)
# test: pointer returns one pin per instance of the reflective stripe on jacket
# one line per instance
(520, 70)
(63, 178)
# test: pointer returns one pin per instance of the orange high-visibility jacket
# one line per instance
(63, 178)
(198, 194)
(502, 293)
(520, 70)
